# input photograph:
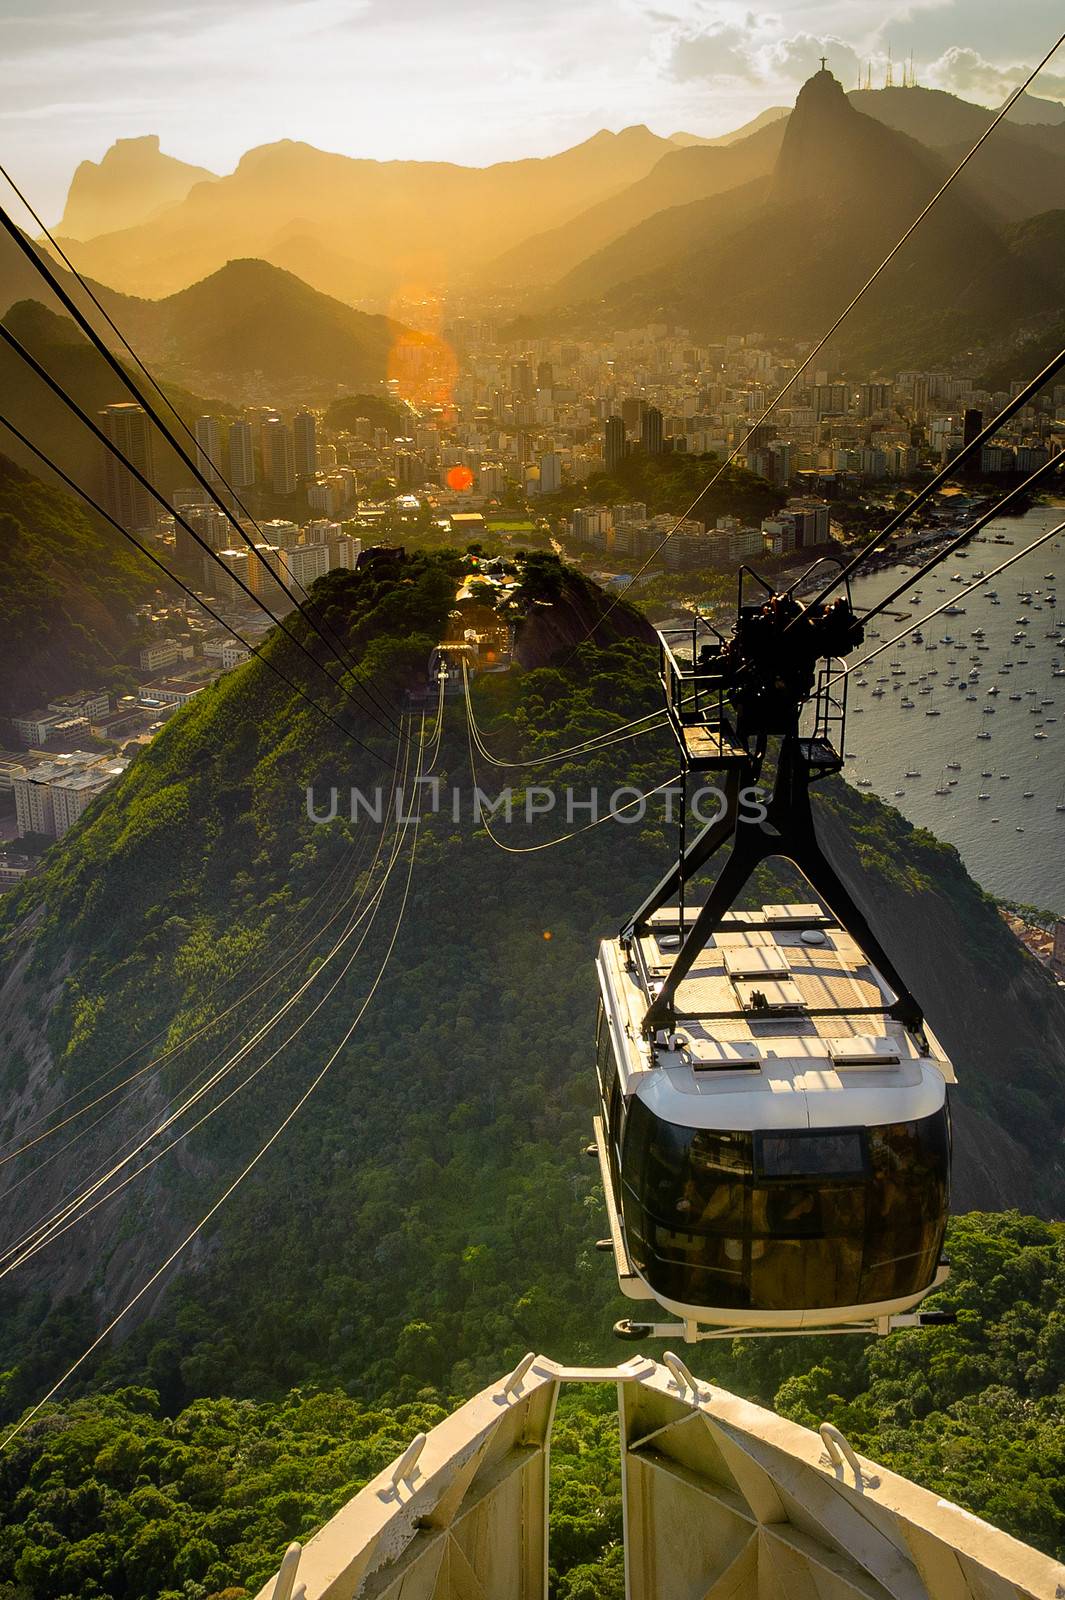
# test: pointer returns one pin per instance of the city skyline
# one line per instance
(493, 83)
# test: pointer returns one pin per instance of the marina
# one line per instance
(993, 783)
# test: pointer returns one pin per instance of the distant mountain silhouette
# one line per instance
(694, 172)
(785, 254)
(762, 120)
(253, 328)
(378, 226)
(1019, 172)
(132, 182)
(1030, 108)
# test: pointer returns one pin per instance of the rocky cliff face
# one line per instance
(132, 182)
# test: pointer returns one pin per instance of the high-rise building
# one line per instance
(521, 379)
(209, 448)
(491, 479)
(550, 472)
(241, 454)
(545, 375)
(344, 551)
(651, 431)
(632, 411)
(207, 524)
(305, 442)
(613, 442)
(130, 430)
(221, 576)
(873, 397)
(279, 456)
(303, 564)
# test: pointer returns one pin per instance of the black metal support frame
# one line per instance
(788, 831)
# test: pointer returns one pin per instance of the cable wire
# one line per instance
(28, 1416)
(548, 844)
(848, 308)
(76, 1199)
(977, 583)
(254, 650)
(1051, 464)
(601, 741)
(275, 968)
(1017, 403)
(36, 259)
(63, 1220)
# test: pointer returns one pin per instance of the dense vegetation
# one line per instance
(69, 586)
(380, 410)
(670, 483)
(116, 1495)
(429, 1216)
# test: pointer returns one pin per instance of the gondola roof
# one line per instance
(782, 1022)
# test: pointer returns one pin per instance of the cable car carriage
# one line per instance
(773, 1132)
(446, 662)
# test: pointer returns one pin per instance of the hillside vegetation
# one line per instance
(68, 587)
(116, 1495)
(429, 1215)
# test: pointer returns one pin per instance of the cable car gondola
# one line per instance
(773, 1131)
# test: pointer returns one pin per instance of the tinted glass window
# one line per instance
(839, 1154)
(785, 1221)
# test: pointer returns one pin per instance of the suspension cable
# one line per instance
(77, 1196)
(532, 849)
(38, 261)
(61, 1217)
(597, 742)
(848, 308)
(1051, 464)
(977, 583)
(62, 1221)
(254, 650)
(274, 970)
(260, 1153)
(1017, 403)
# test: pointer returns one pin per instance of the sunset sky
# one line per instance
(466, 80)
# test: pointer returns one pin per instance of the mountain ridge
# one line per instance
(132, 181)
(786, 259)
(407, 208)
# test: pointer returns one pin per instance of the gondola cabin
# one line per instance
(780, 1160)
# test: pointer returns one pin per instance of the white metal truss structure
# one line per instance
(723, 1500)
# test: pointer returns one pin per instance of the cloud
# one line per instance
(966, 72)
(721, 52)
(798, 57)
(755, 48)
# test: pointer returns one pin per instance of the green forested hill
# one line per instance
(68, 587)
(115, 1495)
(429, 1216)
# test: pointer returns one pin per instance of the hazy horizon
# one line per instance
(476, 85)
